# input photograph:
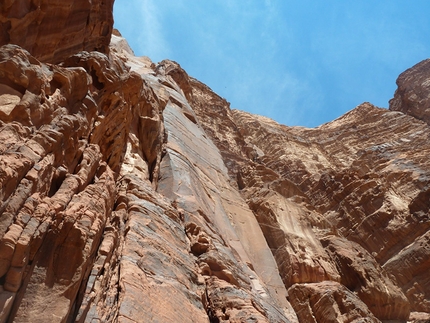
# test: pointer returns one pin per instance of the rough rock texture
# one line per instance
(52, 30)
(131, 192)
(413, 93)
(116, 207)
(328, 302)
(345, 202)
(362, 275)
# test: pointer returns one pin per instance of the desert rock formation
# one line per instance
(52, 30)
(412, 94)
(131, 192)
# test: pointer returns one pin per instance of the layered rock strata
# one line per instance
(412, 94)
(116, 207)
(131, 192)
(52, 30)
(304, 186)
(344, 202)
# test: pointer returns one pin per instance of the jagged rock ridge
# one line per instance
(131, 192)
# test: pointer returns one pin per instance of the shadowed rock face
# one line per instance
(130, 192)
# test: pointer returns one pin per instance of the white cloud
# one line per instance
(300, 63)
(140, 22)
(152, 41)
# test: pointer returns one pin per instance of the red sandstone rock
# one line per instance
(412, 94)
(361, 274)
(90, 238)
(328, 302)
(130, 192)
(351, 190)
(52, 30)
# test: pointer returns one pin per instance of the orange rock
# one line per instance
(53, 30)
(131, 192)
(328, 302)
(411, 96)
(361, 274)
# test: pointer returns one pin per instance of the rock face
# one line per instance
(413, 93)
(52, 30)
(131, 192)
(328, 302)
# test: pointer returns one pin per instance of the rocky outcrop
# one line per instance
(116, 206)
(412, 94)
(328, 302)
(362, 186)
(62, 151)
(361, 274)
(52, 30)
(131, 192)
(352, 184)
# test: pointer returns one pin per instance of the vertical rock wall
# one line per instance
(116, 207)
(131, 192)
(337, 203)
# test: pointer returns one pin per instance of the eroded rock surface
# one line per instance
(52, 30)
(328, 302)
(361, 179)
(413, 92)
(131, 192)
(116, 207)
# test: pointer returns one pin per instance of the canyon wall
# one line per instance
(52, 30)
(131, 192)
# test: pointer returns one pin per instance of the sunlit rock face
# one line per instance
(52, 30)
(364, 177)
(116, 206)
(413, 93)
(131, 192)
(345, 202)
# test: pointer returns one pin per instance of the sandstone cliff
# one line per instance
(131, 192)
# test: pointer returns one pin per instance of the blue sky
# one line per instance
(298, 62)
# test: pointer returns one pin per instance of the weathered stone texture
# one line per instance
(131, 192)
(362, 177)
(52, 30)
(328, 302)
(85, 234)
(413, 92)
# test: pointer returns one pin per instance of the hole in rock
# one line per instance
(58, 179)
(97, 84)
(212, 317)
(198, 249)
